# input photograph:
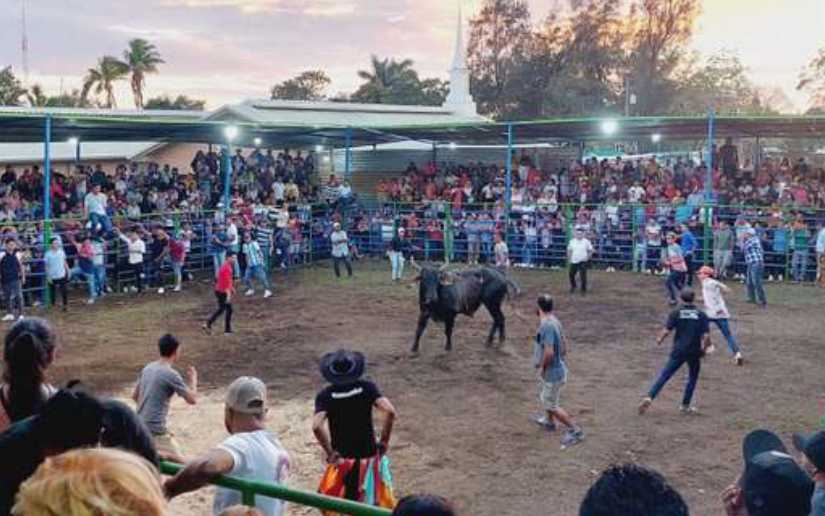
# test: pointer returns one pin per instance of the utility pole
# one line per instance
(24, 43)
(626, 96)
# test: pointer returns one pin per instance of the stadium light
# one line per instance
(319, 148)
(452, 145)
(257, 142)
(609, 127)
(230, 132)
(73, 141)
(656, 138)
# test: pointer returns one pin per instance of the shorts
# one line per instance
(166, 446)
(549, 395)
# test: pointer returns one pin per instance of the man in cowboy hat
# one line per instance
(340, 249)
(398, 252)
(716, 308)
(343, 426)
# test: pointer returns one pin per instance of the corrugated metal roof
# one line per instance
(11, 153)
(339, 114)
(105, 113)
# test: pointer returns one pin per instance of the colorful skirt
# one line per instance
(374, 481)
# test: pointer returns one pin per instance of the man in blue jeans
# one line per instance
(755, 262)
(690, 341)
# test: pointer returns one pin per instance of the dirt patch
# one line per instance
(463, 428)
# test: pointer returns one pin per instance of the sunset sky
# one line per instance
(228, 50)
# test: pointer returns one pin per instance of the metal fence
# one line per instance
(249, 489)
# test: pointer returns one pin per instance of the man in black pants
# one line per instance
(579, 252)
(224, 290)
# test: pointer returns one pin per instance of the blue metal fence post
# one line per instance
(47, 195)
(77, 153)
(348, 155)
(227, 178)
(508, 180)
(709, 176)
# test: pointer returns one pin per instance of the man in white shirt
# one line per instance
(635, 193)
(94, 207)
(579, 252)
(717, 310)
(136, 249)
(251, 452)
(234, 239)
(340, 250)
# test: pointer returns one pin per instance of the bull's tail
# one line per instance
(511, 284)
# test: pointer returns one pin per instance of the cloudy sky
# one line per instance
(227, 50)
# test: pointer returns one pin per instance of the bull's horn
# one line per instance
(415, 264)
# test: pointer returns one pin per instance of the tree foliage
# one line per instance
(812, 80)
(308, 85)
(396, 82)
(181, 102)
(102, 78)
(141, 58)
(12, 91)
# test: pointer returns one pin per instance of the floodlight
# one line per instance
(452, 145)
(257, 142)
(656, 137)
(230, 132)
(74, 140)
(610, 127)
(319, 148)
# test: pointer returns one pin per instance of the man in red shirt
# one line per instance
(223, 293)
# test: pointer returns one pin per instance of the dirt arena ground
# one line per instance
(463, 429)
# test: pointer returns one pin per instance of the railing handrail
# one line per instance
(250, 488)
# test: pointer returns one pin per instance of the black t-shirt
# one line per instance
(9, 268)
(349, 410)
(690, 324)
(20, 457)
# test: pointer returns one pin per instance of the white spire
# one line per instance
(459, 99)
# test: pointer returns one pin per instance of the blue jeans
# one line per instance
(258, 272)
(527, 252)
(753, 280)
(673, 365)
(217, 260)
(639, 258)
(799, 261)
(236, 267)
(100, 279)
(724, 327)
(674, 283)
(104, 221)
(90, 280)
(397, 262)
(177, 268)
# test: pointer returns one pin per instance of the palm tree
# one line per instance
(109, 70)
(142, 58)
(385, 74)
(36, 96)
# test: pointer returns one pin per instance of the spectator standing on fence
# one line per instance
(689, 245)
(99, 264)
(820, 254)
(94, 208)
(86, 265)
(136, 248)
(690, 341)
(158, 382)
(653, 238)
(755, 263)
(398, 252)
(501, 253)
(158, 250)
(343, 426)
(579, 252)
(673, 260)
(177, 256)
(549, 353)
(12, 277)
(57, 272)
(251, 452)
(218, 244)
(224, 291)
(234, 242)
(723, 242)
(255, 266)
(340, 250)
(799, 244)
(716, 309)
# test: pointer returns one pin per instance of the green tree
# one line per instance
(396, 82)
(812, 80)
(36, 97)
(182, 102)
(500, 36)
(722, 82)
(11, 89)
(308, 85)
(72, 99)
(102, 79)
(141, 58)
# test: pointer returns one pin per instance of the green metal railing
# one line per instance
(250, 488)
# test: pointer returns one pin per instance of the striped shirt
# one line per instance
(252, 251)
(753, 251)
(263, 235)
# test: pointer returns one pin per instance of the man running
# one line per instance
(224, 290)
(691, 340)
(717, 310)
(579, 252)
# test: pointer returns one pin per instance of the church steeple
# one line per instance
(459, 99)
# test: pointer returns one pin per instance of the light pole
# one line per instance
(230, 132)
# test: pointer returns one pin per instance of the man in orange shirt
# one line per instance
(224, 290)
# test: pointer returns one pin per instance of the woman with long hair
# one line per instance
(28, 351)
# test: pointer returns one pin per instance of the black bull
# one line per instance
(444, 295)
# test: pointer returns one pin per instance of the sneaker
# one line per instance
(90, 301)
(711, 350)
(20, 317)
(8, 317)
(133, 289)
(206, 329)
(108, 289)
(645, 404)
(125, 290)
(177, 288)
(672, 302)
(249, 292)
(572, 437)
(738, 359)
(688, 410)
(267, 293)
(543, 422)
(36, 304)
(190, 277)
(229, 333)
(161, 290)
